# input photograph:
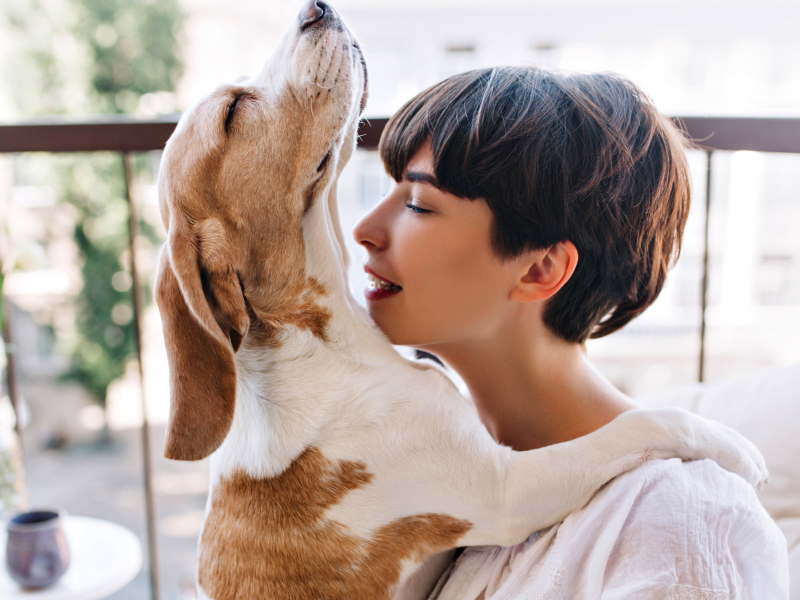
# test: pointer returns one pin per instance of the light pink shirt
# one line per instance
(665, 531)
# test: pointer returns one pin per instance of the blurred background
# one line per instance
(64, 240)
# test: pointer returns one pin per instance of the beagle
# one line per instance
(339, 469)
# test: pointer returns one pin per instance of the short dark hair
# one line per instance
(560, 156)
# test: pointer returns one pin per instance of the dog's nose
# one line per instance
(314, 12)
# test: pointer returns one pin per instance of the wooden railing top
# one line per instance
(123, 133)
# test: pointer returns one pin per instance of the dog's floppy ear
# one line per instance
(204, 317)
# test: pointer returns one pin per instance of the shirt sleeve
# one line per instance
(696, 531)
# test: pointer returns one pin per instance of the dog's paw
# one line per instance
(735, 453)
(692, 437)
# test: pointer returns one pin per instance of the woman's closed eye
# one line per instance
(416, 209)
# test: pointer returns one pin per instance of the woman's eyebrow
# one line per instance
(421, 177)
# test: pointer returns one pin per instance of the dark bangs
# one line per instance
(488, 129)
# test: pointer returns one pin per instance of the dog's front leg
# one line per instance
(448, 465)
(541, 487)
(437, 480)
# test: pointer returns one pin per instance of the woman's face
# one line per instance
(436, 247)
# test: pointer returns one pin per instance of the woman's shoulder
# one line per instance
(694, 481)
(685, 499)
(673, 523)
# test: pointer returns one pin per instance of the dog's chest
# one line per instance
(270, 538)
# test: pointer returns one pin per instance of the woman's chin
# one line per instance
(389, 329)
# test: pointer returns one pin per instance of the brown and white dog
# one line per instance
(338, 467)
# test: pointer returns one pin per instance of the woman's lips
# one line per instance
(380, 288)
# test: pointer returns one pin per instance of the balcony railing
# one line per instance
(128, 135)
(119, 133)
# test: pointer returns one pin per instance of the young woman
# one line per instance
(532, 210)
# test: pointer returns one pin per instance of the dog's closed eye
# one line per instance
(232, 111)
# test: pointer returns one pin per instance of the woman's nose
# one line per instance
(371, 231)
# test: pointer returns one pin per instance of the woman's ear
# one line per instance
(545, 272)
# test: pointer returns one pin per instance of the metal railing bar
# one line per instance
(138, 304)
(116, 133)
(704, 286)
(122, 133)
(12, 377)
(758, 134)
(369, 132)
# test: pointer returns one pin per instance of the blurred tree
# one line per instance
(94, 56)
(133, 49)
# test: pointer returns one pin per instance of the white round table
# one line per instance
(104, 558)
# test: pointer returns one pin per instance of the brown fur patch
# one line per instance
(266, 538)
(302, 312)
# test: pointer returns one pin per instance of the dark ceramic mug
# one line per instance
(37, 554)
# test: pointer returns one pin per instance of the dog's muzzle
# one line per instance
(318, 15)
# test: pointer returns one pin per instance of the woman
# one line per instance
(532, 210)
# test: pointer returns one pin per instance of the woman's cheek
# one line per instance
(443, 307)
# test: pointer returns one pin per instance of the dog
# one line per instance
(339, 469)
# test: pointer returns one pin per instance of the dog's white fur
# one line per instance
(354, 398)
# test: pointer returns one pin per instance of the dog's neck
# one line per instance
(350, 332)
(295, 395)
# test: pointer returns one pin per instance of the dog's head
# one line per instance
(243, 169)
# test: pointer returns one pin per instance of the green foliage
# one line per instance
(104, 340)
(47, 70)
(132, 45)
(93, 56)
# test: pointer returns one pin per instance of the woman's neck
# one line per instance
(531, 388)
